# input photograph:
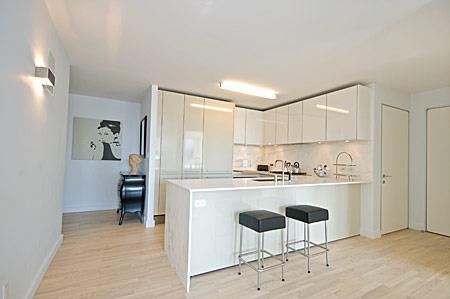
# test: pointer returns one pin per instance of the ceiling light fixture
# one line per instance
(209, 107)
(248, 89)
(329, 108)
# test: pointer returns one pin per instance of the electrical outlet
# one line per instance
(4, 289)
(200, 203)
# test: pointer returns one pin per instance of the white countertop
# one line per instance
(199, 185)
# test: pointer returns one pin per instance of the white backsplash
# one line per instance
(309, 155)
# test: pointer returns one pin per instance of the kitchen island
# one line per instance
(202, 230)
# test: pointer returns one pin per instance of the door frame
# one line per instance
(381, 163)
(426, 168)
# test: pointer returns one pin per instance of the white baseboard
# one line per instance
(417, 226)
(370, 234)
(77, 209)
(43, 268)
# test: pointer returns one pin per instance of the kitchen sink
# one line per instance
(267, 179)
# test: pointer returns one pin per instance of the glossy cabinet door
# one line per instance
(171, 151)
(239, 125)
(314, 119)
(341, 114)
(269, 127)
(254, 130)
(158, 154)
(295, 123)
(218, 138)
(282, 119)
(363, 131)
(193, 137)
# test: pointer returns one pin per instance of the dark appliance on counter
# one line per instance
(131, 189)
(262, 167)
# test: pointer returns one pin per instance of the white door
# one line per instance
(438, 166)
(394, 169)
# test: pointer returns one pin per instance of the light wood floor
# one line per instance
(99, 259)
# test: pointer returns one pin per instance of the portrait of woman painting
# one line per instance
(95, 139)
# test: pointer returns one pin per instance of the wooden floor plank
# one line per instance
(99, 259)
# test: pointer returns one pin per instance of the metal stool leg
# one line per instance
(240, 248)
(282, 255)
(259, 262)
(262, 251)
(308, 248)
(326, 244)
(287, 238)
(304, 238)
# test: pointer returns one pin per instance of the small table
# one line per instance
(132, 194)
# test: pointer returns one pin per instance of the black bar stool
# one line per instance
(307, 215)
(261, 221)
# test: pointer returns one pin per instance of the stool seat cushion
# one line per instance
(307, 214)
(262, 220)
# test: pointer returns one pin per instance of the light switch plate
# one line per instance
(200, 203)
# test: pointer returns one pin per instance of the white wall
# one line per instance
(92, 184)
(418, 144)
(371, 205)
(33, 145)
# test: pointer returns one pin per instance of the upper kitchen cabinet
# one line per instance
(314, 119)
(295, 123)
(218, 138)
(348, 114)
(364, 120)
(269, 127)
(282, 119)
(239, 125)
(172, 133)
(254, 129)
(193, 137)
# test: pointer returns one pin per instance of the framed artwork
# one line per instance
(143, 137)
(96, 139)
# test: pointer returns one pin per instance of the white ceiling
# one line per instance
(118, 48)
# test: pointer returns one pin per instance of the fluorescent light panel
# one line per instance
(209, 107)
(329, 108)
(248, 89)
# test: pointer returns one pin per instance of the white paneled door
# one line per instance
(394, 169)
(438, 175)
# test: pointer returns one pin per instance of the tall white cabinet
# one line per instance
(218, 139)
(196, 140)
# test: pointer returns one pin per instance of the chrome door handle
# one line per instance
(386, 176)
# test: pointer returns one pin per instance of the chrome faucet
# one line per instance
(284, 165)
(338, 164)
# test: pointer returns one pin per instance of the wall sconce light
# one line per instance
(45, 76)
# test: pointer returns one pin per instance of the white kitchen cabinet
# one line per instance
(171, 150)
(295, 123)
(341, 114)
(363, 130)
(239, 125)
(193, 137)
(218, 138)
(269, 127)
(314, 119)
(172, 133)
(348, 114)
(282, 119)
(254, 129)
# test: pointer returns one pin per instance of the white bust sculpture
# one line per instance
(134, 160)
